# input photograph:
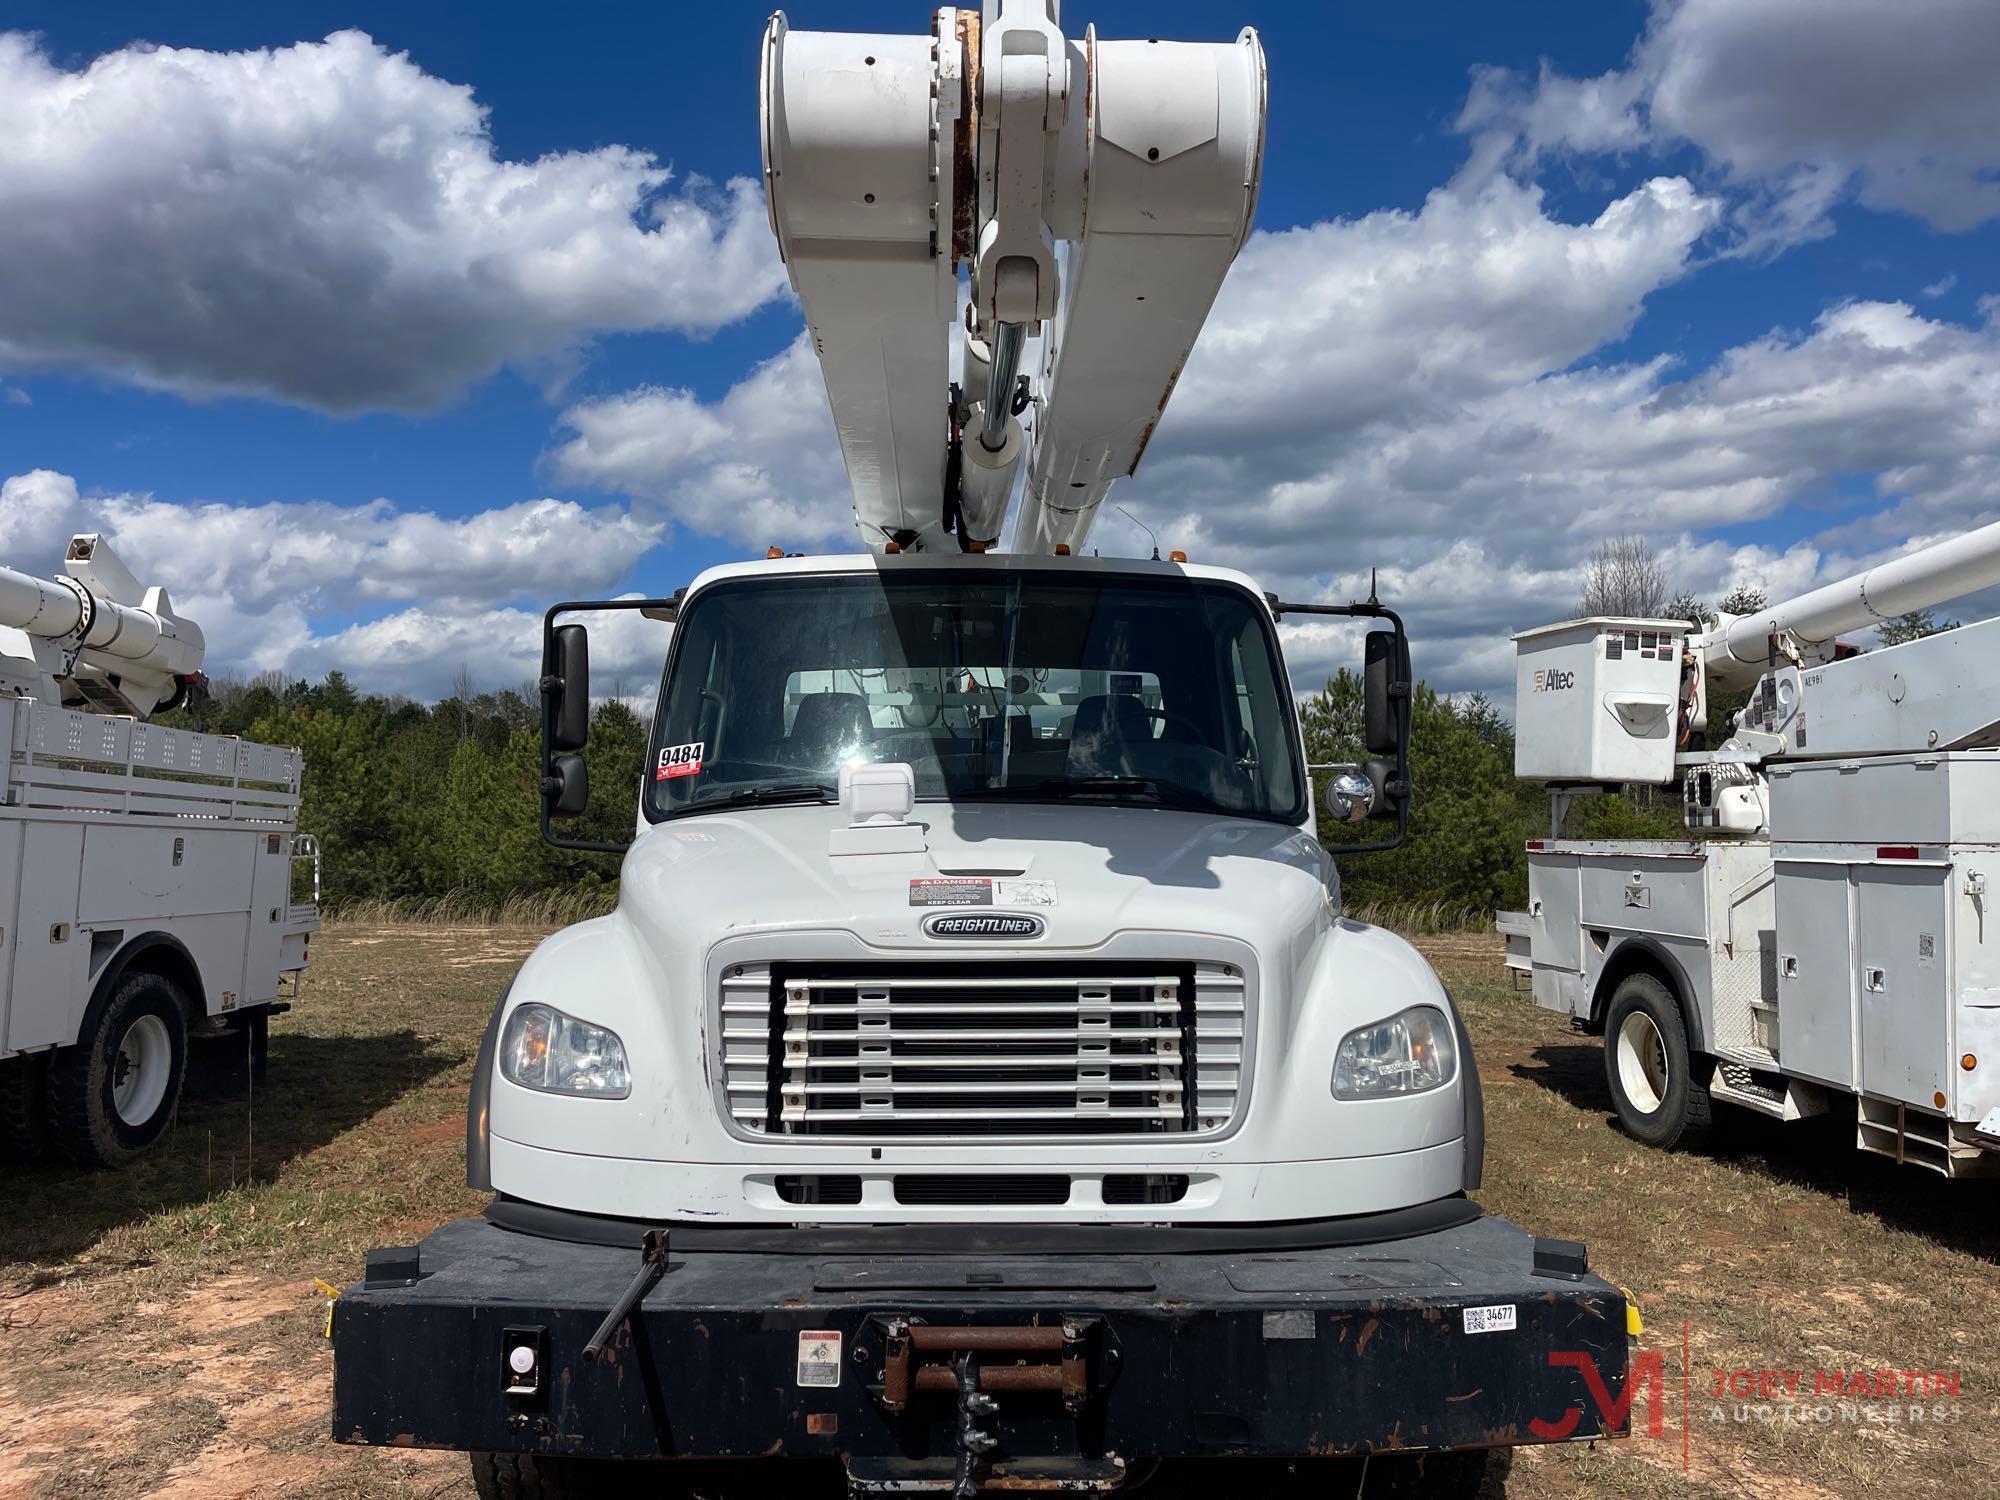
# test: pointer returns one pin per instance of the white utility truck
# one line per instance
(978, 1085)
(145, 871)
(1826, 929)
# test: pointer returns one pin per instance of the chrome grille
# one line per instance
(955, 1051)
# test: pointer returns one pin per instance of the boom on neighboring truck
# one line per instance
(1823, 932)
(146, 872)
(978, 1085)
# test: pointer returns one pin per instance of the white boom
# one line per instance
(1738, 651)
(1097, 193)
(96, 636)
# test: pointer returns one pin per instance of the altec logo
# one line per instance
(955, 924)
(1550, 680)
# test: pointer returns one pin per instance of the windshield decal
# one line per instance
(957, 891)
(679, 760)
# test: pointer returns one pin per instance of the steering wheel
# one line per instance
(1168, 719)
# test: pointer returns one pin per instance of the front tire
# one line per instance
(114, 1093)
(522, 1476)
(1455, 1475)
(1649, 1067)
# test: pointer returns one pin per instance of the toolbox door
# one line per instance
(1816, 967)
(1902, 915)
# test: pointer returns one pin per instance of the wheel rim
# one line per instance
(1643, 1073)
(139, 1071)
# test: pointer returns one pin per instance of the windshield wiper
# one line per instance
(783, 791)
(1165, 793)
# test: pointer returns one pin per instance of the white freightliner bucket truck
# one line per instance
(978, 1084)
(146, 872)
(1824, 934)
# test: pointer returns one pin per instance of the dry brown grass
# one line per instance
(159, 1334)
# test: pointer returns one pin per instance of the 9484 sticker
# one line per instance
(679, 760)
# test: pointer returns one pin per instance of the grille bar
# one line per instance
(986, 1050)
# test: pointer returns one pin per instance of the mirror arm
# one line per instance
(1401, 692)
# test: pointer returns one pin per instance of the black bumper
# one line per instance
(1091, 1358)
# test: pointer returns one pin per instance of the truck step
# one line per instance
(1767, 1093)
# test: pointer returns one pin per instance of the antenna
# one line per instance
(1143, 527)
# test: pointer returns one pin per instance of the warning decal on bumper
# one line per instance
(819, 1356)
(1489, 1319)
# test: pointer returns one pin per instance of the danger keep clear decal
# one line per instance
(679, 760)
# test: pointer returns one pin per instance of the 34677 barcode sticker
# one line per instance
(819, 1357)
(1489, 1319)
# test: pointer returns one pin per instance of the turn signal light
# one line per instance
(1968, 1062)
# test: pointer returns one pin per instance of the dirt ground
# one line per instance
(160, 1331)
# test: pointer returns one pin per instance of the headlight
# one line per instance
(1410, 1053)
(545, 1049)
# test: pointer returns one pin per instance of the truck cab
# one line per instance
(799, 1016)
(978, 1082)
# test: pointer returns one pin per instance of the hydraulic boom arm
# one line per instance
(95, 636)
(1095, 191)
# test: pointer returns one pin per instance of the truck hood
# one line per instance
(704, 893)
(1088, 870)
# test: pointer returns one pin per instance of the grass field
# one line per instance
(160, 1335)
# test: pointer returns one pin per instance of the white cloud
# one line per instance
(1430, 393)
(1344, 323)
(1942, 285)
(1480, 495)
(261, 580)
(1801, 105)
(417, 651)
(759, 466)
(326, 224)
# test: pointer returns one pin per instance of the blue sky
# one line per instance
(1714, 281)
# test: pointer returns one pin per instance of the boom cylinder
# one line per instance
(54, 608)
(1951, 568)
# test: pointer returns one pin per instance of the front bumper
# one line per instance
(1092, 1359)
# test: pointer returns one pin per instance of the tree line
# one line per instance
(413, 802)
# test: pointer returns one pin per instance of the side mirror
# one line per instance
(566, 789)
(566, 687)
(1385, 689)
(1350, 797)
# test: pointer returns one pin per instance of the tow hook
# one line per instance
(974, 1441)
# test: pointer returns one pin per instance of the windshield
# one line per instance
(1028, 686)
